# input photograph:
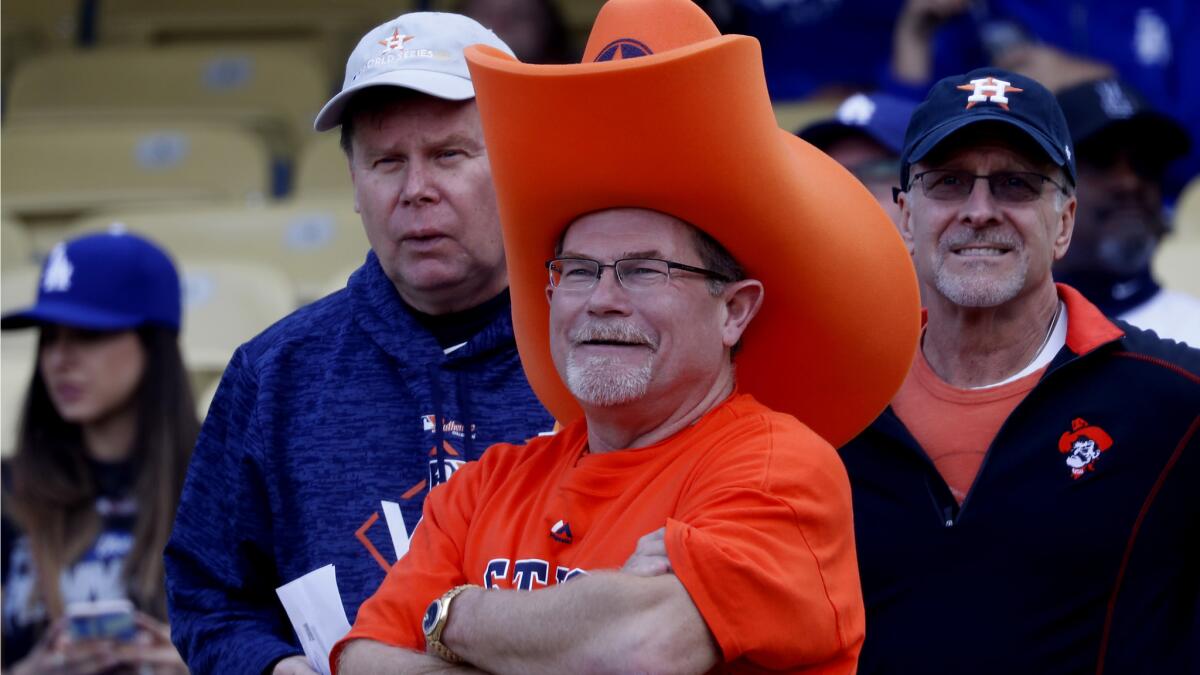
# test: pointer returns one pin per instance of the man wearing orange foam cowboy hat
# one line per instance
(691, 514)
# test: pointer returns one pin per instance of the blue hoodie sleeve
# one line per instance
(221, 575)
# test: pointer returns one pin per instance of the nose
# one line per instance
(980, 208)
(608, 297)
(57, 351)
(419, 187)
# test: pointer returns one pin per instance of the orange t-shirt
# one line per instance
(759, 531)
(956, 426)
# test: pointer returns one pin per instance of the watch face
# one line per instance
(431, 616)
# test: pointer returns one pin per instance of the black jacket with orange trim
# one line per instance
(1053, 564)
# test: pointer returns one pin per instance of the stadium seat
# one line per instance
(273, 90)
(308, 239)
(18, 350)
(337, 281)
(326, 29)
(1177, 261)
(77, 168)
(16, 246)
(321, 167)
(795, 115)
(1177, 265)
(19, 287)
(1186, 219)
(31, 28)
(18, 368)
(204, 397)
(225, 304)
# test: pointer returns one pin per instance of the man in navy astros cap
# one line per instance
(1026, 503)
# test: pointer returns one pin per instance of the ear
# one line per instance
(905, 223)
(743, 299)
(1065, 227)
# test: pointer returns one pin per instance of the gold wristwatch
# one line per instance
(434, 624)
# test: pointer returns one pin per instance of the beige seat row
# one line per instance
(271, 90)
(62, 170)
(309, 240)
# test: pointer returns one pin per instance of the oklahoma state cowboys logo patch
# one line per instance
(1082, 445)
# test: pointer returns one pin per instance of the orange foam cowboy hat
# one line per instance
(667, 114)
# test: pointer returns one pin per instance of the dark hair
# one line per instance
(52, 494)
(717, 258)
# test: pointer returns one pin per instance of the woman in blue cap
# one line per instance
(106, 431)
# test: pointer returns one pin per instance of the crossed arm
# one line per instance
(639, 619)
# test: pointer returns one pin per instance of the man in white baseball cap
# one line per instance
(376, 393)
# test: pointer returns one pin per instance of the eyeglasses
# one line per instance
(950, 185)
(582, 274)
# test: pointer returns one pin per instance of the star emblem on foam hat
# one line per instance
(397, 40)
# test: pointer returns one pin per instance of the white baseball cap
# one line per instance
(422, 51)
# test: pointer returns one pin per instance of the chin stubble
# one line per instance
(604, 380)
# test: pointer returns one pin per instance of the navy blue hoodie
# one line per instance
(345, 403)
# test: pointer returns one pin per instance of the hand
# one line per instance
(922, 17)
(912, 38)
(649, 558)
(293, 665)
(56, 654)
(151, 649)
(1055, 69)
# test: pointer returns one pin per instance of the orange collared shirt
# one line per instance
(758, 521)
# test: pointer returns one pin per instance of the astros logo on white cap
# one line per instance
(396, 41)
(988, 89)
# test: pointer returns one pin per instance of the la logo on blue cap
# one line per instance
(624, 48)
(59, 269)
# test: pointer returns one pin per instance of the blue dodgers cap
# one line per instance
(111, 281)
(988, 95)
(881, 117)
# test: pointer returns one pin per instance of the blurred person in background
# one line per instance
(106, 431)
(534, 29)
(1122, 148)
(866, 135)
(378, 392)
(1147, 43)
(815, 48)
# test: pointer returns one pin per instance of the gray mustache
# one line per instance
(613, 332)
(986, 240)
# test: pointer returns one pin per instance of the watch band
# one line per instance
(433, 633)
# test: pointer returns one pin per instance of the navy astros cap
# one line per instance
(112, 281)
(1101, 105)
(988, 95)
(881, 117)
